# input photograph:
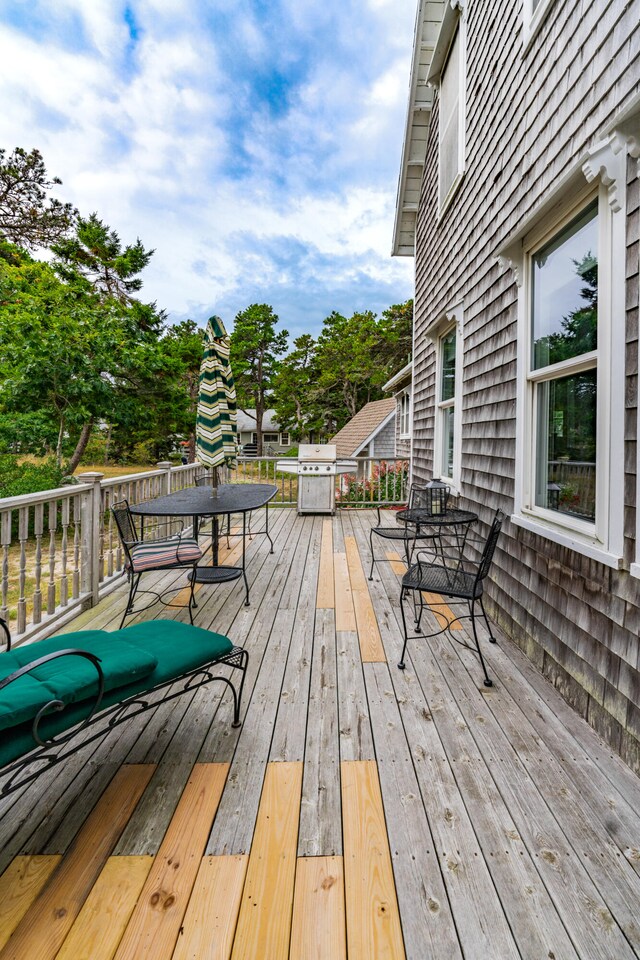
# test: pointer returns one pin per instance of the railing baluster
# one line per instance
(64, 520)
(5, 539)
(23, 536)
(38, 529)
(53, 524)
(75, 588)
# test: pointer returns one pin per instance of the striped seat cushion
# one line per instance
(164, 553)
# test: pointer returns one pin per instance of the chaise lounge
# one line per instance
(64, 692)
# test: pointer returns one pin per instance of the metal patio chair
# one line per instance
(147, 554)
(462, 582)
(425, 499)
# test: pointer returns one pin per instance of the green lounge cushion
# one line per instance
(70, 678)
(178, 648)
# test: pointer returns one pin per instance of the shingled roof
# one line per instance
(363, 427)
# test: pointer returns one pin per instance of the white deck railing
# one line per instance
(60, 548)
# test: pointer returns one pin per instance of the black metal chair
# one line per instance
(173, 552)
(428, 500)
(462, 582)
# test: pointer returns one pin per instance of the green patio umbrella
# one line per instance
(216, 429)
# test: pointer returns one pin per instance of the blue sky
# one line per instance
(255, 145)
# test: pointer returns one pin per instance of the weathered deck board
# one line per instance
(511, 828)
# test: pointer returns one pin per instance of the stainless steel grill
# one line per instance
(317, 467)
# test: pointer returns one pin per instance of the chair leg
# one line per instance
(492, 639)
(134, 580)
(419, 617)
(487, 681)
(372, 557)
(402, 664)
(192, 597)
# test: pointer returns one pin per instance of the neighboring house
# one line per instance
(274, 440)
(519, 195)
(371, 433)
(400, 386)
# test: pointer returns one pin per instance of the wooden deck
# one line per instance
(361, 811)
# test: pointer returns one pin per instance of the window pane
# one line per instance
(566, 454)
(448, 361)
(450, 119)
(447, 441)
(565, 293)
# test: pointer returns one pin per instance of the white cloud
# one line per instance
(167, 139)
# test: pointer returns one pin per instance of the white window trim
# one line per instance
(453, 19)
(605, 163)
(532, 20)
(405, 435)
(451, 318)
(287, 442)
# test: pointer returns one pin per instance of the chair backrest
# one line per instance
(124, 522)
(490, 546)
(432, 500)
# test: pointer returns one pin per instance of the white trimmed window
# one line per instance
(269, 437)
(447, 336)
(284, 440)
(451, 119)
(404, 414)
(570, 418)
(562, 380)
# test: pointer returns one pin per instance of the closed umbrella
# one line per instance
(216, 429)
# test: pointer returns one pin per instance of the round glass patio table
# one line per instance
(197, 502)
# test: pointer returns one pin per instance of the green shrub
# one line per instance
(17, 478)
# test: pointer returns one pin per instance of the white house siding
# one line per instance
(530, 117)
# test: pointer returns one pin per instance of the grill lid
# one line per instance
(321, 452)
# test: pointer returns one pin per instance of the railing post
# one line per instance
(165, 481)
(91, 511)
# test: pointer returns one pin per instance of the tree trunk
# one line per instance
(192, 448)
(259, 417)
(81, 446)
(59, 444)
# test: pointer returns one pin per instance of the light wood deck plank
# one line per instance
(210, 921)
(373, 918)
(98, 929)
(345, 613)
(264, 923)
(153, 929)
(326, 597)
(47, 922)
(20, 884)
(318, 929)
(371, 649)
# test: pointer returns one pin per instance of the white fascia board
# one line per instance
(416, 130)
(399, 377)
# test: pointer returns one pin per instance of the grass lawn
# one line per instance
(114, 471)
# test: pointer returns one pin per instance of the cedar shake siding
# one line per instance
(533, 116)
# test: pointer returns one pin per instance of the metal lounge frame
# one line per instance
(458, 584)
(48, 753)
